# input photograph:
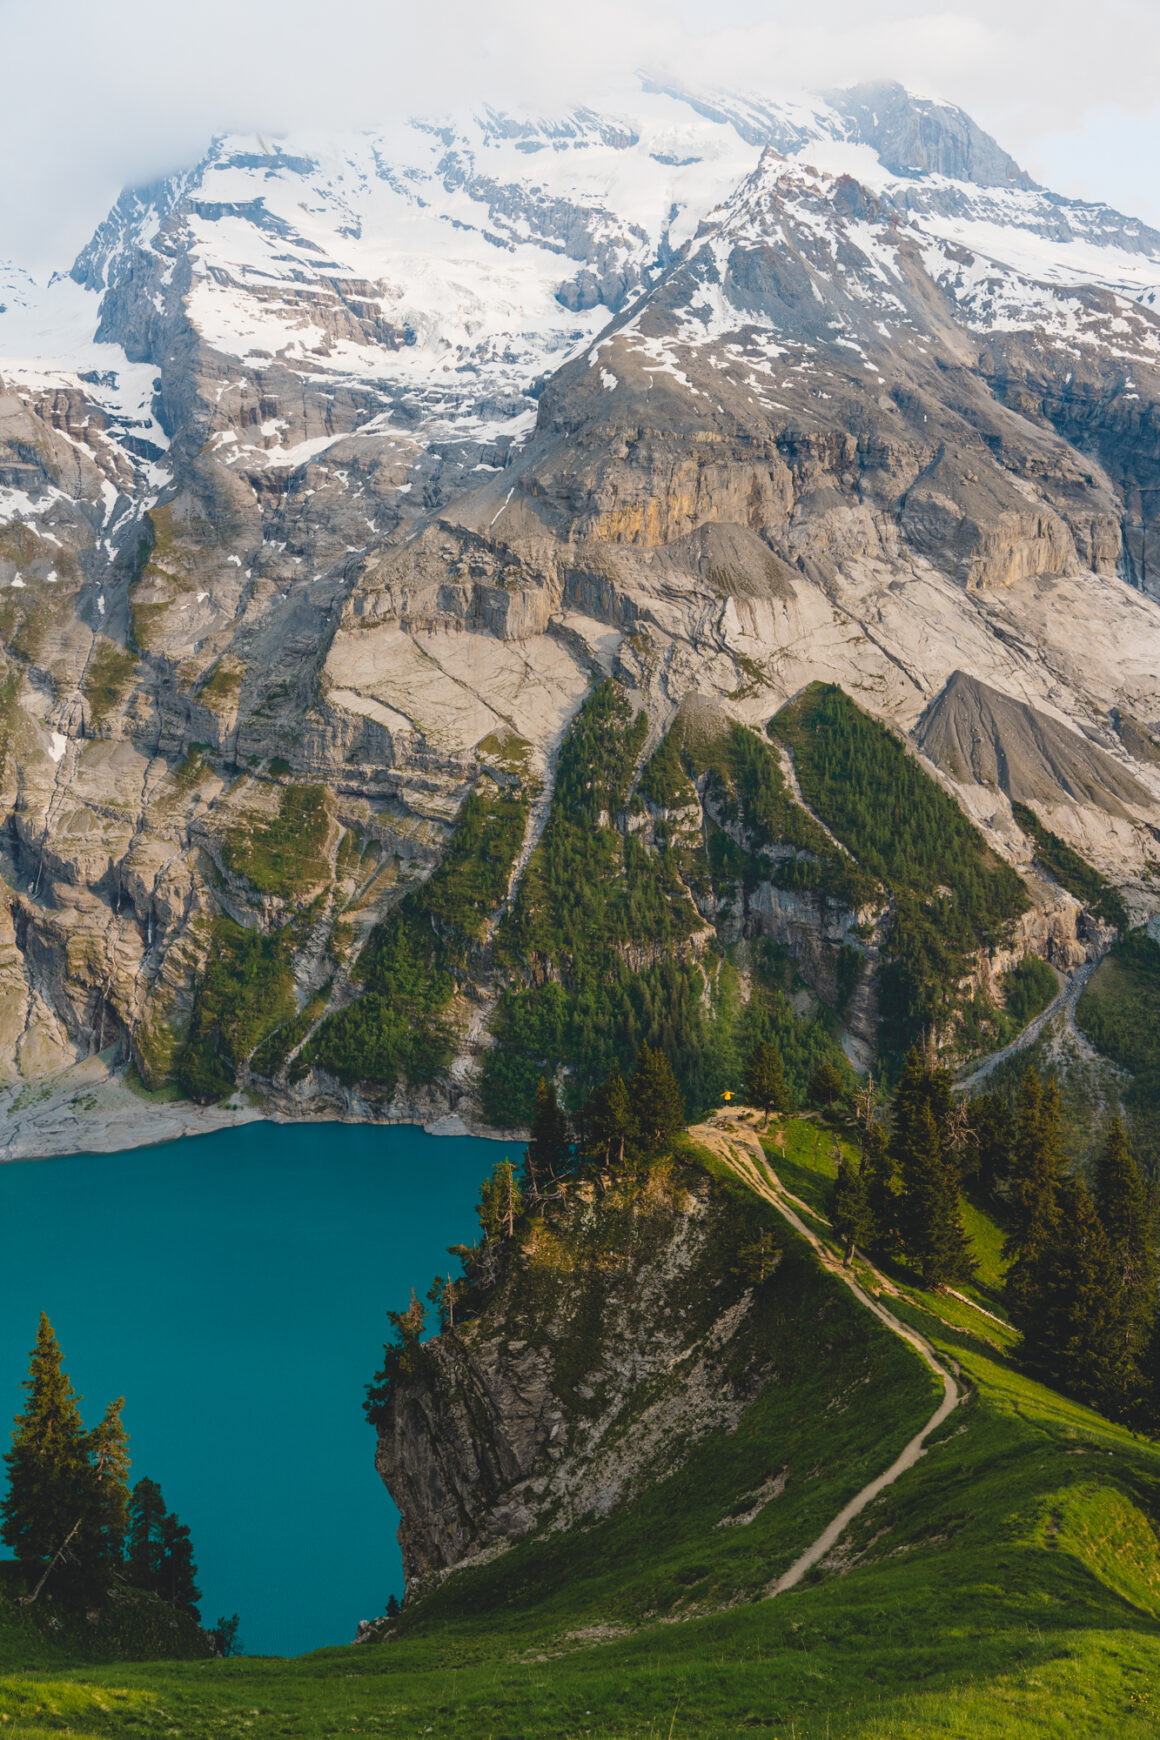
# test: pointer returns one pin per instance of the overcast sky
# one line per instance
(105, 92)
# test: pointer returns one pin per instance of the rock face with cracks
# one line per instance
(615, 1340)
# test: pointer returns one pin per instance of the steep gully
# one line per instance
(1064, 1004)
(739, 1148)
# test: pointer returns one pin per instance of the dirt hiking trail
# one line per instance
(734, 1143)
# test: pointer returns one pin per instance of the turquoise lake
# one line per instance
(233, 1289)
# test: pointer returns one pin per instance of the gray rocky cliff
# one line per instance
(618, 1336)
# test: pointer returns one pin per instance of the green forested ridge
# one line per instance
(594, 901)
(587, 887)
(272, 1053)
(951, 896)
(1071, 871)
(746, 789)
(407, 969)
(664, 780)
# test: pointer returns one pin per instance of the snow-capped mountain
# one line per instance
(350, 454)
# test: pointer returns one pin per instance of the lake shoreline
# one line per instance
(89, 1109)
(234, 1290)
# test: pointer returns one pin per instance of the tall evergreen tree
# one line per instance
(610, 1123)
(1125, 1212)
(177, 1583)
(657, 1100)
(826, 1086)
(102, 1544)
(1127, 1217)
(144, 1555)
(500, 1201)
(924, 1083)
(548, 1155)
(993, 1123)
(765, 1079)
(1034, 1195)
(881, 1178)
(931, 1222)
(850, 1211)
(49, 1472)
(1074, 1335)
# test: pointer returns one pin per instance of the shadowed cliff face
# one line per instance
(388, 451)
(621, 1332)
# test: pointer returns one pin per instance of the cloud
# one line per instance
(100, 96)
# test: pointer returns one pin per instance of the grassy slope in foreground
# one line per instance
(1008, 1586)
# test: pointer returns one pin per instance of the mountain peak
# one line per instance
(916, 135)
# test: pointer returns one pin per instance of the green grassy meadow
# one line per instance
(1008, 1586)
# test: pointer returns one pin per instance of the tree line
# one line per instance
(623, 1127)
(627, 1123)
(69, 1516)
(1082, 1276)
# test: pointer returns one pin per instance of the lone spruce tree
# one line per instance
(850, 1210)
(1074, 1332)
(765, 1079)
(880, 1175)
(500, 1201)
(931, 1221)
(49, 1472)
(1034, 1196)
(178, 1571)
(993, 1126)
(826, 1086)
(659, 1105)
(1127, 1217)
(146, 1516)
(101, 1546)
(1126, 1214)
(548, 1154)
(610, 1123)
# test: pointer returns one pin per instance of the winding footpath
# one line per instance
(738, 1147)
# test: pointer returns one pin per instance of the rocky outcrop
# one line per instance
(618, 1335)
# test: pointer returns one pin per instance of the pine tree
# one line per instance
(1127, 1217)
(880, 1173)
(49, 1472)
(392, 1607)
(101, 1544)
(500, 1201)
(924, 1083)
(659, 1105)
(993, 1123)
(1074, 1332)
(146, 1515)
(931, 1220)
(826, 1086)
(548, 1155)
(176, 1583)
(765, 1079)
(610, 1124)
(1034, 1196)
(1126, 1213)
(224, 1636)
(850, 1211)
